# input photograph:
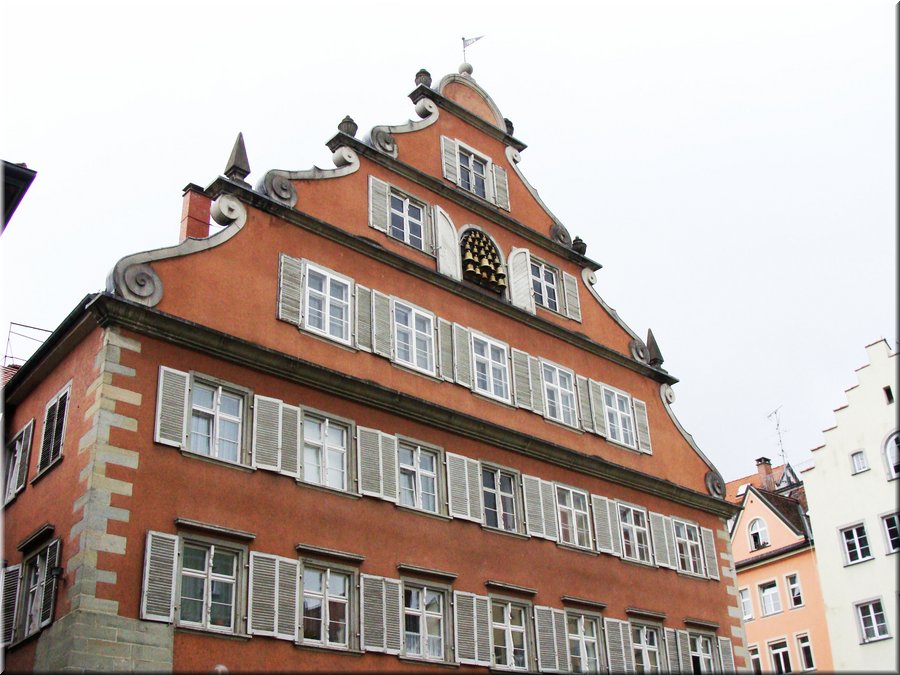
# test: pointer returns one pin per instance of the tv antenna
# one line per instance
(775, 413)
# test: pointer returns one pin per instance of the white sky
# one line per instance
(731, 164)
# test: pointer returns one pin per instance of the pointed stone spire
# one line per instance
(656, 358)
(238, 167)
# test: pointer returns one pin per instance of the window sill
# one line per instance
(326, 489)
(493, 399)
(562, 424)
(213, 633)
(509, 533)
(635, 561)
(431, 375)
(875, 639)
(331, 650)
(421, 512)
(325, 337)
(692, 575)
(763, 616)
(421, 660)
(856, 473)
(47, 469)
(576, 548)
(801, 606)
(624, 445)
(217, 461)
(24, 640)
(859, 562)
(411, 247)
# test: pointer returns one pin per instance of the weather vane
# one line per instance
(467, 42)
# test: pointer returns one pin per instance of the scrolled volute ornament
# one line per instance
(668, 394)
(560, 234)
(280, 188)
(714, 484)
(227, 209)
(139, 283)
(383, 140)
(426, 108)
(639, 350)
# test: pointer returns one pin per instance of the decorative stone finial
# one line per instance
(465, 69)
(509, 125)
(348, 126)
(238, 167)
(423, 77)
(655, 358)
(579, 246)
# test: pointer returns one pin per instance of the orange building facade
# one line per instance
(375, 417)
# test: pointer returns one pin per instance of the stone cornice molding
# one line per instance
(277, 182)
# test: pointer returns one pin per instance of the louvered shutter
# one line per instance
(548, 503)
(537, 385)
(521, 379)
(684, 650)
(447, 245)
(501, 187)
(389, 467)
(618, 646)
(47, 437)
(464, 487)
(393, 616)
(562, 640)
(584, 402)
(428, 231)
(266, 433)
(288, 598)
(381, 311)
(643, 426)
(672, 651)
(290, 289)
(462, 355)
(573, 304)
(670, 543)
(48, 592)
(379, 210)
(372, 624)
(598, 407)
(363, 328)
(605, 535)
(658, 537)
(23, 457)
(726, 655)
(62, 406)
(290, 440)
(368, 453)
(171, 407)
(483, 629)
(9, 603)
(445, 348)
(473, 468)
(520, 290)
(615, 527)
(160, 563)
(552, 639)
(534, 511)
(263, 593)
(464, 620)
(449, 156)
(709, 552)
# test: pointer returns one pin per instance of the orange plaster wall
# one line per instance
(780, 535)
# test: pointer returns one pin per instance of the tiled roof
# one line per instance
(7, 373)
(789, 508)
(731, 487)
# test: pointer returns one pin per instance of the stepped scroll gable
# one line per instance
(376, 416)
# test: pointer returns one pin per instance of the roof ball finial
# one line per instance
(465, 69)
(348, 126)
(423, 77)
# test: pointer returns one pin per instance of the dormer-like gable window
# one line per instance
(759, 534)
(474, 172)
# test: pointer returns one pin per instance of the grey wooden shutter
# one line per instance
(262, 604)
(290, 440)
(521, 379)
(449, 156)
(672, 650)
(368, 454)
(445, 348)
(598, 407)
(10, 602)
(62, 408)
(709, 552)
(266, 433)
(584, 402)
(615, 527)
(726, 655)
(658, 537)
(537, 385)
(372, 624)
(23, 457)
(48, 592)
(462, 355)
(160, 563)
(447, 245)
(670, 543)
(171, 408)
(534, 511)
(643, 426)
(379, 194)
(428, 231)
(389, 467)
(460, 488)
(618, 646)
(393, 616)
(548, 502)
(466, 637)
(605, 535)
(47, 435)
(483, 630)
(381, 310)
(684, 651)
(501, 187)
(288, 598)
(473, 468)
(573, 304)
(290, 289)
(520, 291)
(363, 327)
(562, 640)
(546, 639)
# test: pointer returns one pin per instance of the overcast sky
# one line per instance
(730, 164)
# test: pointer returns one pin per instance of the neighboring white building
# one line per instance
(852, 493)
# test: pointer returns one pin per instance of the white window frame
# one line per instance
(326, 598)
(540, 286)
(792, 581)
(30, 594)
(640, 533)
(755, 658)
(219, 389)
(423, 615)
(14, 452)
(746, 601)
(579, 519)
(888, 547)
(326, 449)
(583, 641)
(209, 577)
(642, 650)
(620, 424)
(858, 461)
(892, 455)
(856, 544)
(769, 589)
(704, 657)
(487, 360)
(327, 301)
(473, 154)
(512, 497)
(413, 335)
(803, 640)
(778, 654)
(566, 406)
(508, 629)
(760, 529)
(404, 215)
(872, 609)
(688, 551)
(419, 474)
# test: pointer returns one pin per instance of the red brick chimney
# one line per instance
(194, 213)
(764, 468)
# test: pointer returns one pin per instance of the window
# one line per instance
(327, 304)
(755, 662)
(645, 643)
(584, 643)
(418, 477)
(508, 623)
(407, 220)
(635, 534)
(804, 647)
(491, 367)
(473, 172)
(326, 606)
(892, 532)
(746, 604)
(781, 658)
(208, 588)
(795, 594)
(701, 653)
(574, 527)
(325, 449)
(54, 429)
(892, 454)
(423, 622)
(871, 621)
(544, 283)
(888, 394)
(413, 337)
(688, 546)
(16, 462)
(858, 460)
(619, 420)
(29, 592)
(499, 491)
(769, 598)
(559, 392)
(856, 544)
(759, 534)
(216, 415)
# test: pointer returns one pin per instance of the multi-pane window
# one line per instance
(856, 544)
(473, 173)
(755, 661)
(574, 522)
(413, 337)
(619, 418)
(418, 477)
(781, 657)
(16, 462)
(325, 448)
(645, 644)
(327, 304)
(508, 623)
(208, 587)
(216, 415)
(34, 595)
(769, 598)
(635, 534)
(499, 491)
(858, 459)
(54, 429)
(688, 547)
(746, 604)
(423, 622)
(892, 454)
(544, 283)
(326, 600)
(407, 220)
(892, 532)
(584, 643)
(804, 647)
(759, 534)
(701, 653)
(491, 367)
(795, 593)
(559, 394)
(871, 620)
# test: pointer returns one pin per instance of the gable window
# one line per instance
(544, 283)
(473, 171)
(574, 527)
(804, 647)
(892, 532)
(584, 643)
(508, 623)
(413, 337)
(635, 534)
(856, 544)
(858, 459)
(209, 574)
(559, 394)
(423, 622)
(795, 593)
(746, 604)
(491, 367)
(872, 624)
(16, 461)
(620, 423)
(688, 547)
(326, 606)
(325, 450)
(645, 643)
(701, 653)
(892, 454)
(407, 222)
(769, 598)
(418, 477)
(327, 304)
(216, 415)
(759, 534)
(781, 658)
(54, 429)
(499, 492)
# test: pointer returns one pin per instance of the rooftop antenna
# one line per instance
(467, 42)
(777, 417)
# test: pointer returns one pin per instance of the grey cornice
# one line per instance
(40, 535)
(277, 183)
(415, 570)
(110, 310)
(322, 552)
(593, 604)
(509, 588)
(217, 530)
(646, 613)
(701, 623)
(374, 250)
